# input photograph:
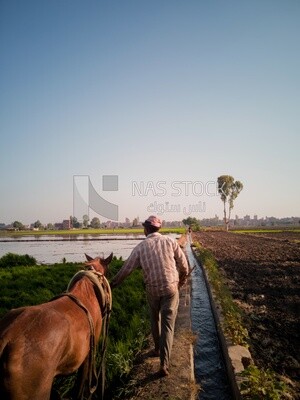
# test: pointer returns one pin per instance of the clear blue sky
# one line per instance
(151, 91)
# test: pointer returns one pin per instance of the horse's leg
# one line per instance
(81, 380)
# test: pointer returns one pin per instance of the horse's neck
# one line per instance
(84, 291)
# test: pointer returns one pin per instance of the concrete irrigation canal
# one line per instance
(209, 365)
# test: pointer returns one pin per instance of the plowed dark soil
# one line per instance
(263, 273)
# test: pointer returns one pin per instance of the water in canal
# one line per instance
(210, 369)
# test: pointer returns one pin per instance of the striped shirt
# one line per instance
(161, 260)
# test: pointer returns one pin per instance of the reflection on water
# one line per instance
(57, 238)
(49, 249)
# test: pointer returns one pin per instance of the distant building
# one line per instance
(127, 222)
(58, 226)
(66, 224)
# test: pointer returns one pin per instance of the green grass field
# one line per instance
(129, 322)
(118, 231)
(261, 230)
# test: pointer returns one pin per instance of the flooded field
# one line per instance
(52, 249)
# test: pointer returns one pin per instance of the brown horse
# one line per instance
(40, 342)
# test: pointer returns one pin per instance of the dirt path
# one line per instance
(145, 384)
(263, 274)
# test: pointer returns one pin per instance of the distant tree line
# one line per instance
(228, 188)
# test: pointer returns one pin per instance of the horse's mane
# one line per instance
(92, 275)
(102, 287)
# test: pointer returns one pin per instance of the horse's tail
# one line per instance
(6, 334)
(3, 336)
(3, 357)
(3, 344)
(5, 328)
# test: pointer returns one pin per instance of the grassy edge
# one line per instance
(258, 231)
(72, 232)
(231, 317)
(256, 383)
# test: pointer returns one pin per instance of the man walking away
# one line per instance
(164, 267)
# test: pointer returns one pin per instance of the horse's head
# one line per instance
(98, 264)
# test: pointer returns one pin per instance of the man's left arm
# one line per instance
(181, 264)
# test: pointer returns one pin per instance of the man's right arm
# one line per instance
(130, 264)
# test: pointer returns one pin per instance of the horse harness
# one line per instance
(104, 297)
